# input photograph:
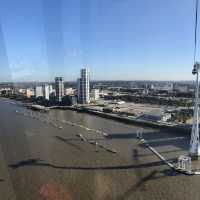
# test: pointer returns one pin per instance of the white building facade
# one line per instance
(84, 87)
(46, 91)
(59, 87)
(38, 91)
(69, 91)
(95, 94)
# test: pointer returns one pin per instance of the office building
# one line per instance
(59, 87)
(29, 93)
(95, 94)
(38, 91)
(84, 87)
(6, 91)
(69, 91)
(46, 91)
(162, 87)
(51, 89)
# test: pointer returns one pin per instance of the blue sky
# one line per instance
(116, 39)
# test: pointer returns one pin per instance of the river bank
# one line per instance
(127, 120)
(182, 128)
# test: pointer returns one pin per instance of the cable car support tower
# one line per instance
(194, 142)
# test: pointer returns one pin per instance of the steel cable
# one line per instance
(196, 29)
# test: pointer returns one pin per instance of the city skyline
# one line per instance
(40, 40)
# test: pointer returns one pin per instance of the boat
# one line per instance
(92, 142)
(111, 150)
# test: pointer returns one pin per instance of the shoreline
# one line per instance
(122, 119)
(127, 120)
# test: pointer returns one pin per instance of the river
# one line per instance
(42, 157)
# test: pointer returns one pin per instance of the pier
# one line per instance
(184, 162)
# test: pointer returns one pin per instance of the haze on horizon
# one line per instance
(116, 39)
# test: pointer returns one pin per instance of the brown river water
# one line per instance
(42, 158)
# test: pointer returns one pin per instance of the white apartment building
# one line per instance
(84, 87)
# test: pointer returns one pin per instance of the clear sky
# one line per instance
(116, 39)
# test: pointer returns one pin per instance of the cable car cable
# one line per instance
(196, 29)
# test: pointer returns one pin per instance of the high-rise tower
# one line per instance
(84, 87)
(46, 91)
(59, 87)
